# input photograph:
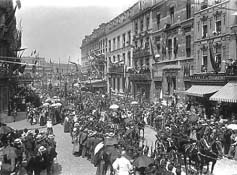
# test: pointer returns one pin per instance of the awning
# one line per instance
(201, 90)
(228, 93)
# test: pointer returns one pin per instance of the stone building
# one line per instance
(173, 36)
(119, 54)
(10, 42)
(142, 57)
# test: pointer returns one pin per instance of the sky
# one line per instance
(55, 28)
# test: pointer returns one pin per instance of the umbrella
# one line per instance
(98, 147)
(45, 104)
(55, 97)
(114, 106)
(48, 100)
(143, 161)
(134, 103)
(58, 104)
(232, 126)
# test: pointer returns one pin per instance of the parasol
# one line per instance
(45, 104)
(143, 161)
(98, 147)
(232, 126)
(134, 103)
(58, 104)
(114, 106)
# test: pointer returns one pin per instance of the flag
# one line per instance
(152, 51)
(22, 68)
(75, 65)
(212, 58)
(34, 67)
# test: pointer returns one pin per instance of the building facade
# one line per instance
(119, 54)
(173, 36)
(142, 57)
(10, 42)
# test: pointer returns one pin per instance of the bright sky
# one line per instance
(81, 3)
(57, 39)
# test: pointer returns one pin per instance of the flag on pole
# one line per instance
(34, 67)
(152, 50)
(22, 68)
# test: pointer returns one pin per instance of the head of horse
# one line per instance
(217, 148)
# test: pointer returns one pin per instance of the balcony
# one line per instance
(140, 77)
(116, 69)
(141, 52)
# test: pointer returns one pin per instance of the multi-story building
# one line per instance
(10, 42)
(173, 36)
(215, 48)
(119, 53)
(93, 60)
(142, 57)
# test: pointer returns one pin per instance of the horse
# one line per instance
(211, 155)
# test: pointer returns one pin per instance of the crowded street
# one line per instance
(118, 87)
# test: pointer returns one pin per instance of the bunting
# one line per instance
(152, 51)
(212, 58)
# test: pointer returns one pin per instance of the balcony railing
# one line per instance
(141, 52)
(116, 69)
(140, 77)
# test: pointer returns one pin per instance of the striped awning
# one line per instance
(202, 90)
(228, 93)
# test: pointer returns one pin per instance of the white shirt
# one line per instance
(122, 166)
(49, 124)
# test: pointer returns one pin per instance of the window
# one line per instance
(188, 45)
(129, 38)
(175, 47)
(136, 28)
(158, 48)
(141, 43)
(114, 59)
(218, 26)
(170, 48)
(109, 45)
(114, 83)
(147, 22)
(204, 61)
(118, 87)
(147, 62)
(124, 39)
(204, 31)
(136, 44)
(172, 14)
(124, 57)
(141, 26)
(158, 21)
(118, 42)
(188, 9)
(147, 43)
(204, 4)
(118, 56)
(129, 59)
(114, 44)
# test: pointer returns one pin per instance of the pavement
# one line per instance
(67, 164)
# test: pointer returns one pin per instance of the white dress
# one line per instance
(122, 166)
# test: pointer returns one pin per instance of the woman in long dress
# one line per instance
(66, 125)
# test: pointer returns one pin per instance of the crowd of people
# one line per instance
(110, 134)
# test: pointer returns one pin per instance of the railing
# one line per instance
(116, 69)
(140, 77)
(140, 52)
